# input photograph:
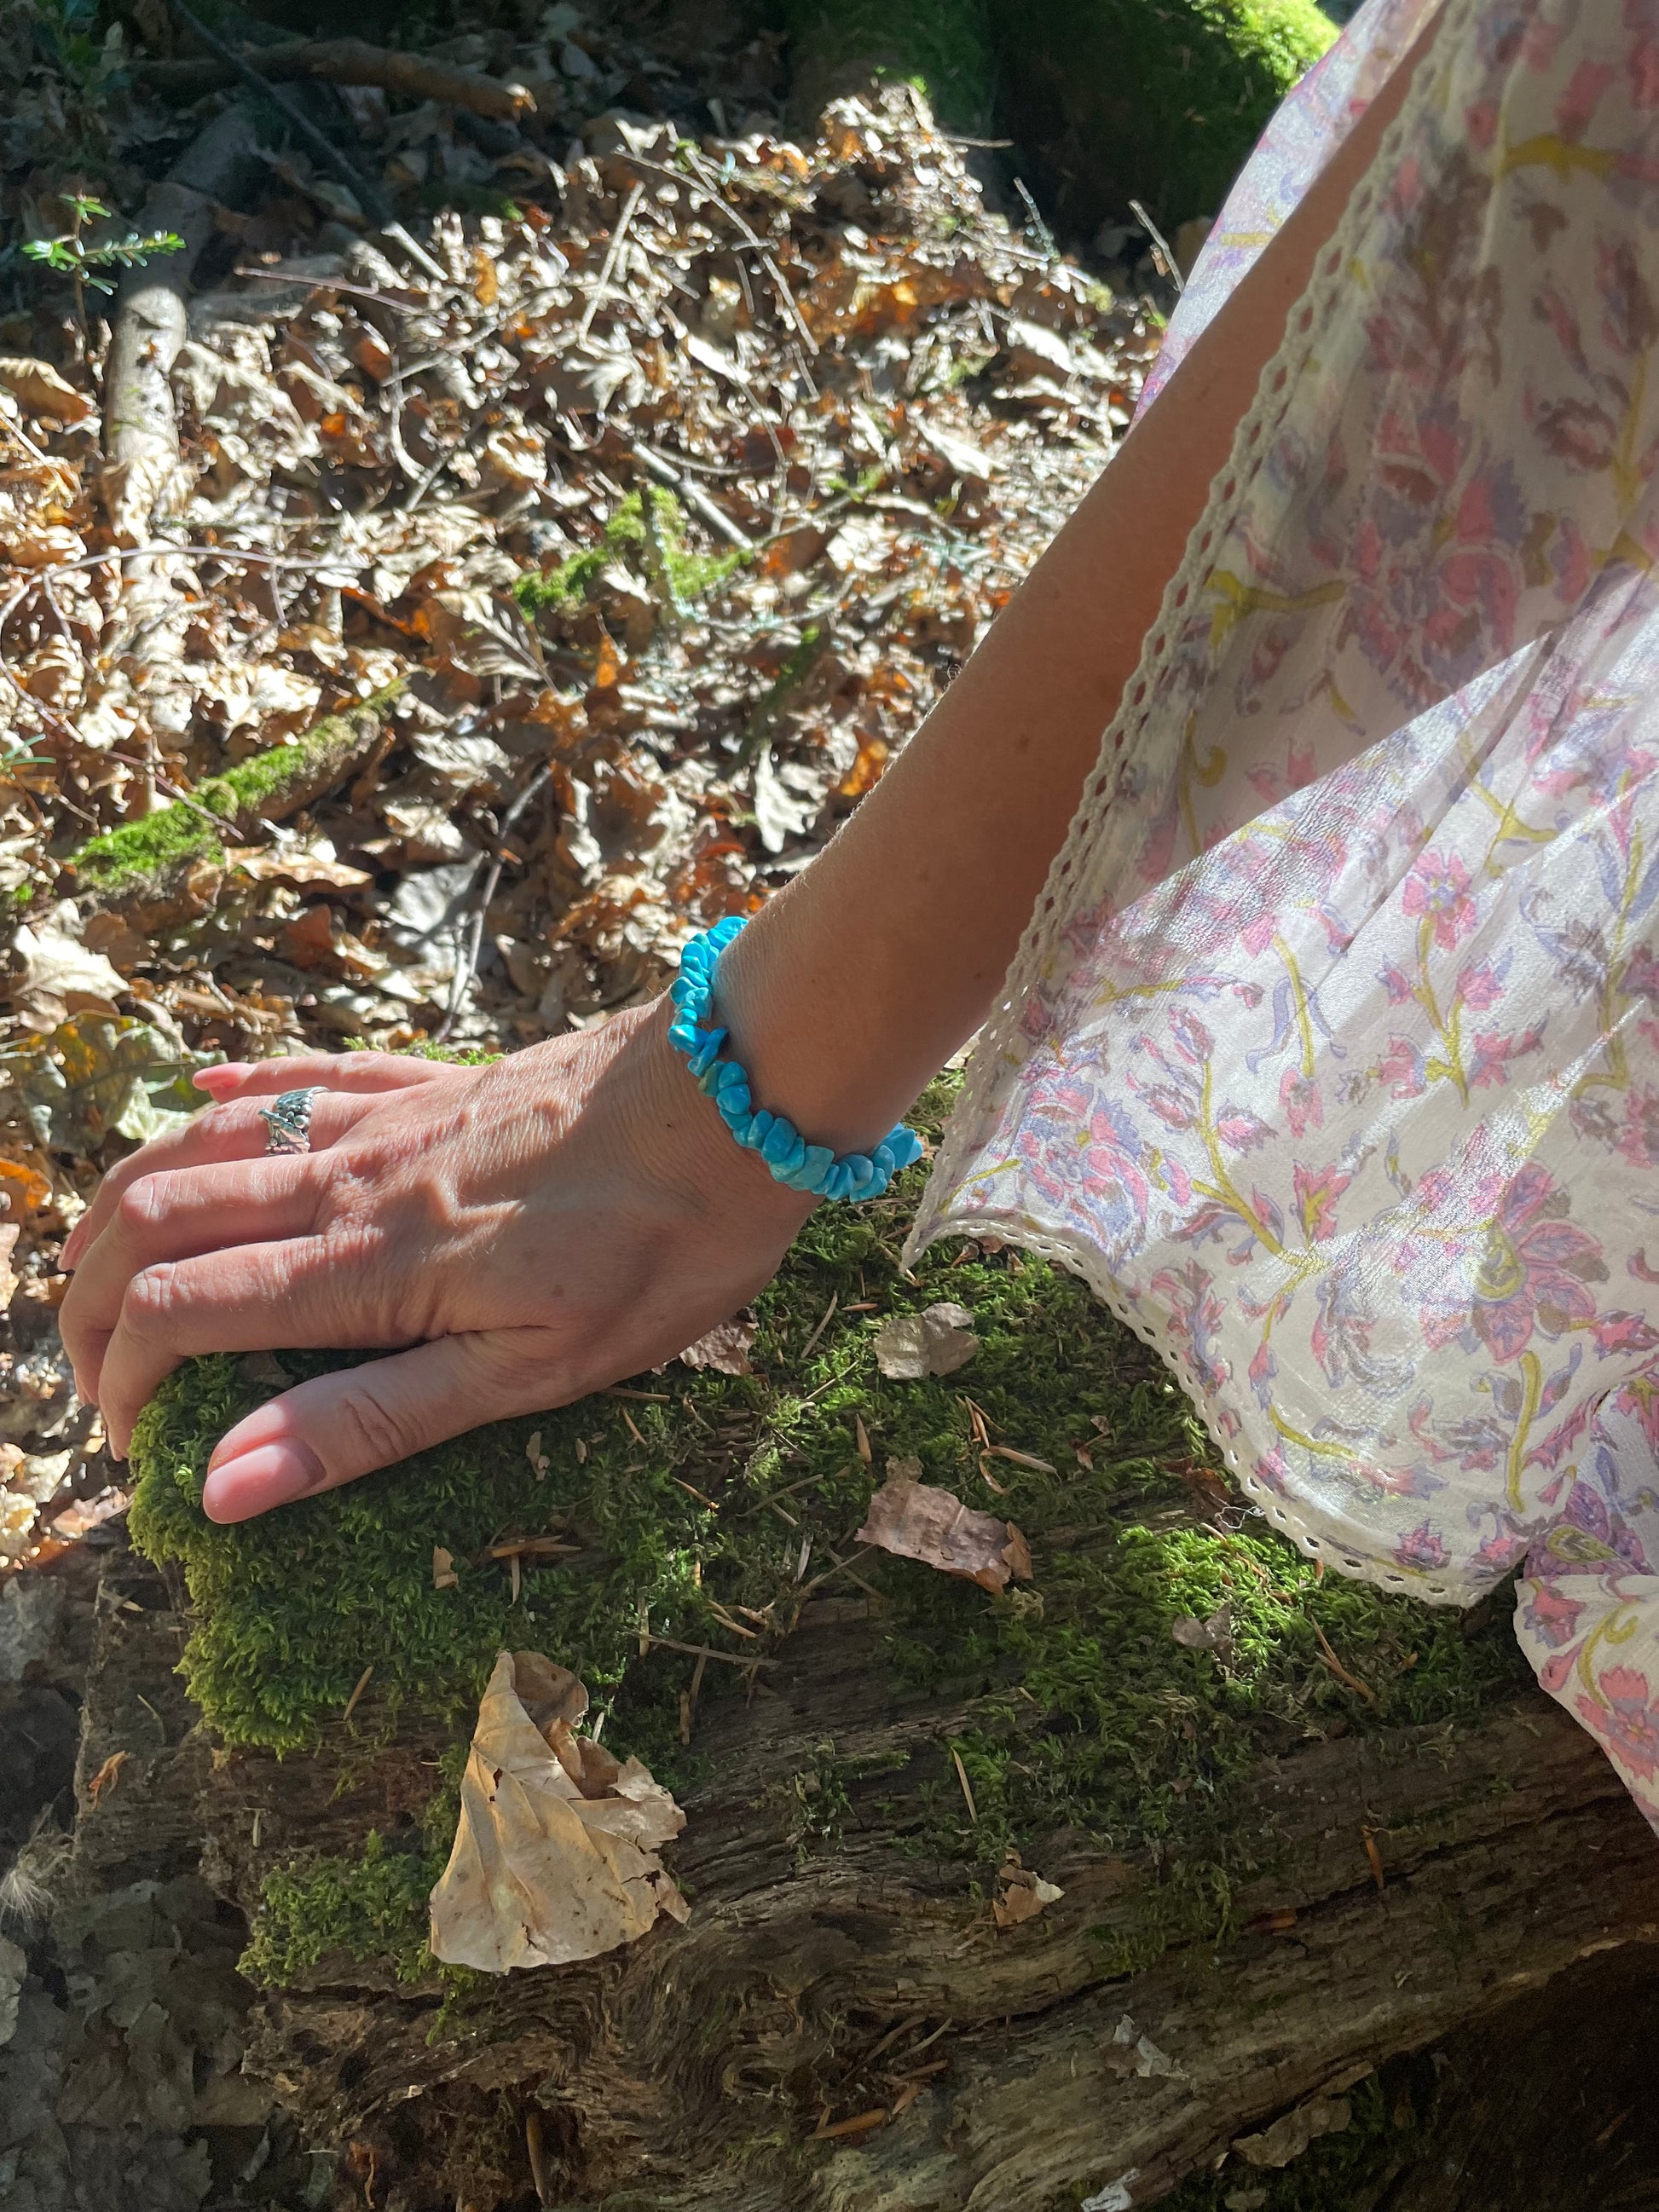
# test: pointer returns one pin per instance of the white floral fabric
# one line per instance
(1332, 1055)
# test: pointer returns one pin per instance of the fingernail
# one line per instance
(253, 1482)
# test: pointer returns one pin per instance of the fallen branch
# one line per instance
(323, 148)
(141, 433)
(344, 61)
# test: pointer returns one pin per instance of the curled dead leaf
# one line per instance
(555, 1853)
(935, 1342)
(915, 1520)
(37, 386)
(1024, 1895)
(726, 1348)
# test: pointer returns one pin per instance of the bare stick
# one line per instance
(611, 254)
(348, 61)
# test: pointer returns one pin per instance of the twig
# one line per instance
(467, 960)
(710, 186)
(337, 284)
(362, 1684)
(367, 190)
(962, 1776)
(693, 496)
(828, 1315)
(1171, 267)
(618, 236)
(649, 1639)
(1352, 1681)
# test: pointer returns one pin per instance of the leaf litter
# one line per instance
(665, 474)
(914, 1519)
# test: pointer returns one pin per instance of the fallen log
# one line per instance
(1270, 1885)
(346, 61)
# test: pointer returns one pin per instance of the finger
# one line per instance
(254, 1297)
(331, 1071)
(178, 1215)
(331, 1430)
(233, 1131)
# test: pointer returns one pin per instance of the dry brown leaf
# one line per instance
(915, 1520)
(37, 386)
(60, 976)
(726, 1348)
(444, 1575)
(555, 1855)
(10, 1234)
(936, 1342)
(1024, 1895)
(107, 1775)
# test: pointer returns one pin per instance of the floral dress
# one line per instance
(1331, 1056)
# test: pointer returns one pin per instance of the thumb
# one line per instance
(331, 1429)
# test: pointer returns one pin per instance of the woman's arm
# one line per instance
(534, 1229)
(852, 987)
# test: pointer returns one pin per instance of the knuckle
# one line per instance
(151, 1300)
(367, 1431)
(141, 1203)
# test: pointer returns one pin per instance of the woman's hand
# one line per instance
(534, 1229)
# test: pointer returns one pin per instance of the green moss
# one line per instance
(1115, 100)
(146, 854)
(942, 45)
(648, 527)
(147, 851)
(370, 1907)
(1083, 1712)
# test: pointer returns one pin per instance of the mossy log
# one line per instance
(168, 865)
(1345, 1830)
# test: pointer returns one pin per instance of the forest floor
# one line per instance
(650, 478)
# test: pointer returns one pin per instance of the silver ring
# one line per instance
(287, 1120)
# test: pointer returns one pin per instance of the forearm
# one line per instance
(853, 986)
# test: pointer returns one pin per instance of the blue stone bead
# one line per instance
(731, 1073)
(683, 1033)
(760, 1128)
(707, 1051)
(838, 1183)
(882, 1159)
(816, 1163)
(734, 1107)
(723, 931)
(792, 1158)
(860, 1171)
(907, 1146)
(780, 1140)
(708, 1081)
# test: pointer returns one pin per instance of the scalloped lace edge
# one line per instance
(1252, 440)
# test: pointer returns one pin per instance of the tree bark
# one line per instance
(690, 2070)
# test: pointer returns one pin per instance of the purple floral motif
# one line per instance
(1534, 1268)
(1421, 1547)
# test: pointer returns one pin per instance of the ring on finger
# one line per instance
(288, 1120)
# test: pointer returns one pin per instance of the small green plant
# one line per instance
(69, 254)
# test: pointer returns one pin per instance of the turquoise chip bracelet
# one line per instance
(786, 1154)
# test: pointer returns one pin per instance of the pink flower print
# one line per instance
(1420, 1548)
(1315, 1199)
(1404, 1069)
(1438, 887)
(1626, 1722)
(1534, 1268)
(1480, 987)
(1299, 1098)
(1550, 1614)
(1397, 983)
(1637, 1139)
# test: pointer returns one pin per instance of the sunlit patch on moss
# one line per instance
(696, 1494)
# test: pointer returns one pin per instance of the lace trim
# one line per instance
(992, 1064)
